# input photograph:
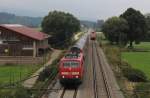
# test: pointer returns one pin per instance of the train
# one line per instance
(93, 35)
(71, 66)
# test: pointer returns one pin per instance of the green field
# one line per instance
(139, 60)
(143, 45)
(13, 73)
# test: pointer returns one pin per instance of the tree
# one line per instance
(115, 30)
(147, 35)
(99, 24)
(61, 26)
(137, 25)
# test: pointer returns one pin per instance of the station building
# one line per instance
(18, 40)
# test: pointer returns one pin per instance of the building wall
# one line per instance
(42, 47)
(13, 44)
(42, 44)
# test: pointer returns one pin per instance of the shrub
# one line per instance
(9, 64)
(21, 92)
(125, 65)
(44, 74)
(142, 90)
(134, 75)
(47, 72)
(6, 93)
(18, 92)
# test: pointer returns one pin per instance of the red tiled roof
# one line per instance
(26, 31)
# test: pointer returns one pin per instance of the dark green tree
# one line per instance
(147, 35)
(115, 30)
(61, 26)
(137, 25)
(99, 24)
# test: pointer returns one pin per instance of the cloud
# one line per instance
(86, 9)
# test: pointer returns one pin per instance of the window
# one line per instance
(1, 42)
(0, 35)
(27, 45)
(71, 64)
(72, 55)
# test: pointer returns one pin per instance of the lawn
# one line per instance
(139, 60)
(143, 45)
(13, 73)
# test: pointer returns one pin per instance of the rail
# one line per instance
(108, 92)
(103, 74)
(94, 74)
(64, 92)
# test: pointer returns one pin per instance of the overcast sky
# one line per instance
(83, 9)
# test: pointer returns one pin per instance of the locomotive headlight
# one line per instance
(64, 73)
(75, 73)
(77, 76)
(63, 76)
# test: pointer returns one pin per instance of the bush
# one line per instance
(125, 65)
(47, 72)
(18, 92)
(6, 93)
(134, 75)
(21, 92)
(9, 64)
(44, 74)
(143, 90)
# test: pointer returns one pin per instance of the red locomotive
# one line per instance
(71, 66)
(93, 35)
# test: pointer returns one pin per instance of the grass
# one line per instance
(14, 73)
(139, 60)
(78, 35)
(53, 72)
(143, 45)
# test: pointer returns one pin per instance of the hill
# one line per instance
(88, 23)
(7, 18)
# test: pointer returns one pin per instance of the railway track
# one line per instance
(57, 91)
(51, 82)
(94, 74)
(98, 84)
(68, 93)
(95, 54)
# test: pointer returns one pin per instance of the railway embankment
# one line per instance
(133, 81)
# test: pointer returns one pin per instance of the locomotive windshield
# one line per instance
(71, 64)
(75, 50)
